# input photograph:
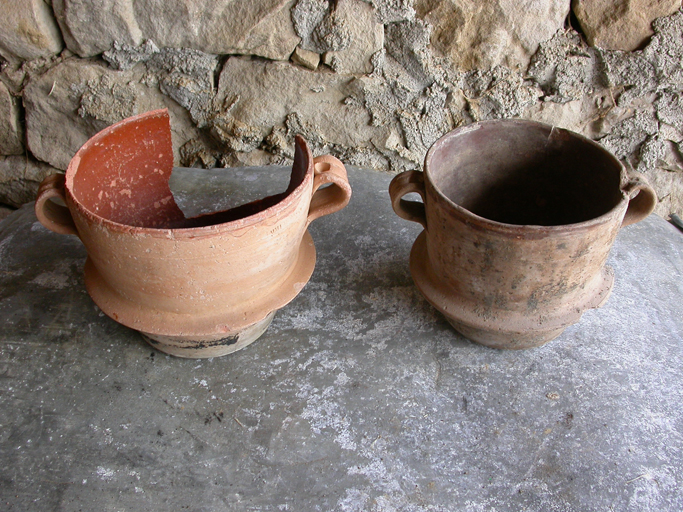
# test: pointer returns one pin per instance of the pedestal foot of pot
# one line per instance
(512, 330)
(506, 340)
(208, 346)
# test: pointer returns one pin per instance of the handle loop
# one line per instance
(405, 183)
(335, 196)
(642, 199)
(53, 216)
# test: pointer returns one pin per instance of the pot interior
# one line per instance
(122, 173)
(526, 173)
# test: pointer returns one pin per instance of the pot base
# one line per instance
(210, 346)
(200, 336)
(497, 328)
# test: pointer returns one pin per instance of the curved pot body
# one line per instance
(519, 220)
(195, 287)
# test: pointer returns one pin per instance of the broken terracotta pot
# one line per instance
(200, 287)
(519, 219)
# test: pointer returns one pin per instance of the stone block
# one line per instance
(28, 30)
(20, 177)
(261, 28)
(366, 38)
(89, 27)
(11, 129)
(480, 35)
(391, 11)
(225, 27)
(620, 24)
(77, 98)
(266, 103)
(306, 58)
(5, 212)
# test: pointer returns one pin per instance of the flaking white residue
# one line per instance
(105, 473)
(341, 379)
(200, 382)
(324, 413)
(52, 280)
(376, 471)
(647, 487)
(322, 409)
(58, 278)
(354, 501)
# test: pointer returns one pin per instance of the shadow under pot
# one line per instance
(519, 220)
(200, 287)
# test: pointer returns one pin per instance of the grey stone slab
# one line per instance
(202, 191)
(359, 397)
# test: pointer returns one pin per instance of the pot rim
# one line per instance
(525, 230)
(190, 232)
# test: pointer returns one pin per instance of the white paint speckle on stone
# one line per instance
(105, 473)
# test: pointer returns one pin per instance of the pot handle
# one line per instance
(405, 183)
(328, 171)
(53, 216)
(642, 199)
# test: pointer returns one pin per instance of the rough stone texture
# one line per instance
(264, 104)
(359, 397)
(480, 35)
(122, 56)
(77, 98)
(261, 28)
(187, 76)
(197, 152)
(570, 76)
(366, 38)
(16, 76)
(564, 67)
(590, 116)
(54, 130)
(625, 139)
(652, 148)
(419, 101)
(307, 16)
(408, 44)
(347, 33)
(28, 30)
(655, 68)
(20, 177)
(409, 95)
(391, 11)
(11, 129)
(647, 85)
(620, 24)
(90, 29)
(498, 93)
(184, 74)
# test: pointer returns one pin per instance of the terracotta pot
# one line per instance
(195, 288)
(519, 219)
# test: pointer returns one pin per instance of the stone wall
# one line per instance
(373, 82)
